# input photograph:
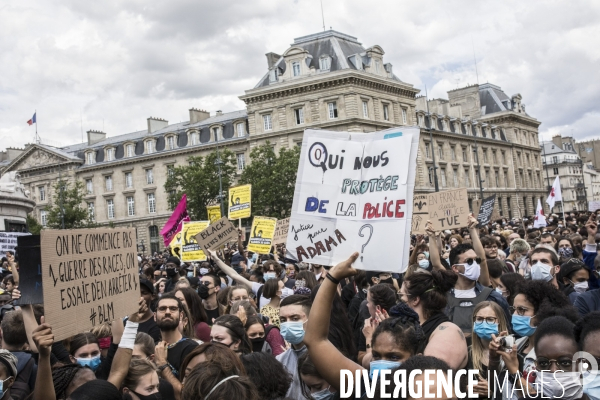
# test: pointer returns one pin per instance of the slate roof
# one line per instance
(549, 148)
(493, 99)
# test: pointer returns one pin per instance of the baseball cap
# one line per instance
(147, 284)
(10, 361)
(235, 259)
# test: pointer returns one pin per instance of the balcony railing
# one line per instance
(581, 198)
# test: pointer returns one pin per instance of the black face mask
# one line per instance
(257, 344)
(388, 280)
(171, 272)
(153, 396)
(203, 292)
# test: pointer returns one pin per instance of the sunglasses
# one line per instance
(471, 260)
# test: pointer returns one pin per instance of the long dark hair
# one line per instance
(236, 330)
(194, 303)
(431, 288)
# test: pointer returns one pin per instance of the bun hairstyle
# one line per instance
(404, 327)
(431, 288)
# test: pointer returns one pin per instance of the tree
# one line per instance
(200, 181)
(33, 226)
(273, 180)
(70, 199)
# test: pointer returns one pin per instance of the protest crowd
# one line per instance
(260, 326)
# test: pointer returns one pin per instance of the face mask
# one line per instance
(254, 257)
(153, 396)
(324, 394)
(292, 332)
(485, 330)
(93, 362)
(285, 292)
(522, 325)
(472, 271)
(559, 385)
(171, 272)
(426, 254)
(591, 386)
(2, 388)
(203, 271)
(498, 289)
(382, 365)
(190, 274)
(550, 219)
(203, 292)
(269, 275)
(541, 272)
(257, 344)
(424, 264)
(580, 287)
(565, 252)
(559, 225)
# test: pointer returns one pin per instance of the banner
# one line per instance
(217, 234)
(175, 245)
(281, 231)
(173, 225)
(89, 276)
(354, 192)
(8, 240)
(261, 235)
(239, 201)
(190, 250)
(484, 216)
(594, 205)
(420, 214)
(448, 209)
(214, 213)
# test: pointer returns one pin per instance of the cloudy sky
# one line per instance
(108, 65)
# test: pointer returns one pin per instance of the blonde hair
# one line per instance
(477, 347)
(102, 331)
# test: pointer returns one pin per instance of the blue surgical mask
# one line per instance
(591, 387)
(2, 388)
(292, 332)
(324, 394)
(424, 264)
(380, 365)
(203, 271)
(498, 289)
(269, 275)
(190, 274)
(93, 362)
(426, 254)
(485, 330)
(522, 325)
(541, 272)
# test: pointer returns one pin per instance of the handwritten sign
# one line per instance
(89, 276)
(486, 210)
(354, 192)
(261, 235)
(281, 231)
(448, 209)
(8, 240)
(214, 213)
(239, 201)
(420, 214)
(594, 205)
(216, 235)
(190, 250)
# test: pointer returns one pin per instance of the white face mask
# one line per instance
(541, 272)
(559, 385)
(580, 287)
(472, 271)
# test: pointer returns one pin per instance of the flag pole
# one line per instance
(36, 134)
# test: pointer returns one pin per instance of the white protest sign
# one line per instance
(354, 193)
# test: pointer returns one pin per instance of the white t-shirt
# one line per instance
(464, 294)
(263, 301)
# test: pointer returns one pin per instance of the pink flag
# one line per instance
(173, 225)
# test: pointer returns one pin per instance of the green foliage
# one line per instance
(273, 180)
(200, 180)
(75, 211)
(33, 226)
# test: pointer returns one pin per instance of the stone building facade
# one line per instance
(323, 81)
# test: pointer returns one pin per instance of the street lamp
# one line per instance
(218, 163)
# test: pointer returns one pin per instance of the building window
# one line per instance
(44, 217)
(453, 153)
(273, 75)
(377, 66)
(170, 171)
(296, 68)
(109, 183)
(110, 154)
(333, 111)
(427, 150)
(497, 178)
(325, 63)
(503, 157)
(420, 120)
(506, 178)
(151, 203)
(365, 109)
(443, 176)
(494, 157)
(555, 171)
(464, 154)
(170, 142)
(91, 211)
(42, 191)
(485, 156)
(431, 177)
(110, 208)
(128, 180)
(130, 206)
(299, 115)
(149, 146)
(404, 119)
(386, 112)
(149, 176)
(241, 162)
(129, 148)
(194, 140)
(467, 181)
(441, 151)
(89, 158)
(455, 177)
(267, 125)
(89, 186)
(240, 129)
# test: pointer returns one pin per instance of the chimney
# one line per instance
(95, 137)
(388, 68)
(155, 124)
(219, 112)
(272, 59)
(198, 115)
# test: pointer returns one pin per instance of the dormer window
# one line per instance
(90, 157)
(109, 154)
(149, 146)
(240, 129)
(273, 75)
(358, 61)
(325, 63)
(215, 133)
(194, 138)
(377, 66)
(129, 150)
(296, 68)
(171, 142)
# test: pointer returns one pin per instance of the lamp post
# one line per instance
(435, 178)
(218, 163)
(478, 171)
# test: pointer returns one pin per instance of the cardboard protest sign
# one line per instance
(190, 250)
(354, 192)
(8, 240)
(30, 270)
(281, 231)
(484, 216)
(261, 235)
(594, 205)
(90, 276)
(214, 213)
(420, 214)
(216, 235)
(239, 201)
(448, 209)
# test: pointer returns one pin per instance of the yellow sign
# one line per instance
(239, 202)
(175, 244)
(190, 250)
(214, 213)
(261, 235)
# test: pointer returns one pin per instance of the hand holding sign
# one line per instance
(43, 338)
(344, 269)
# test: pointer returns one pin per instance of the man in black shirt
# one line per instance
(147, 323)
(174, 273)
(207, 290)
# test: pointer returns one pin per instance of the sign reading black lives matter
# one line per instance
(354, 192)
(89, 276)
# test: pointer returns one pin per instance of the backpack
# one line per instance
(20, 388)
(460, 311)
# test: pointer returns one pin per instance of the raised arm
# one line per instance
(413, 256)
(484, 276)
(44, 386)
(13, 268)
(120, 364)
(591, 250)
(434, 247)
(328, 360)
(30, 324)
(228, 270)
(241, 245)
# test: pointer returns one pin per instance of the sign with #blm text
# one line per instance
(239, 201)
(190, 250)
(354, 193)
(448, 209)
(89, 276)
(216, 235)
(261, 235)
(281, 231)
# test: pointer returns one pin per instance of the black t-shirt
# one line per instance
(151, 328)
(177, 354)
(290, 283)
(212, 314)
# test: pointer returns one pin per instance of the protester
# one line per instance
(268, 375)
(229, 331)
(272, 290)
(209, 287)
(199, 322)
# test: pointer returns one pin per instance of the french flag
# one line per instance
(32, 120)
